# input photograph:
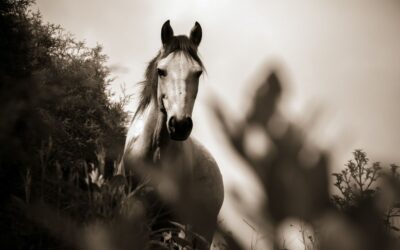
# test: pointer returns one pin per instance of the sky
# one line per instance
(341, 64)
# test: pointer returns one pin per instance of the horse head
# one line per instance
(178, 70)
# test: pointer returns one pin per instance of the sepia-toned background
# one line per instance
(338, 63)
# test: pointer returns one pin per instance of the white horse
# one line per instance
(159, 145)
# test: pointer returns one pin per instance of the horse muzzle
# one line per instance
(179, 129)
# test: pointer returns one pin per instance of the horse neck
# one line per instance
(155, 131)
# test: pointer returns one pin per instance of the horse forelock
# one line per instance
(149, 85)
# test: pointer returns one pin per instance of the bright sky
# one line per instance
(342, 60)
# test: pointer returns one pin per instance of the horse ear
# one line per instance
(166, 33)
(196, 33)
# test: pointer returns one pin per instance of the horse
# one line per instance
(159, 145)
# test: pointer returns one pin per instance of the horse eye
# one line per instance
(198, 73)
(161, 72)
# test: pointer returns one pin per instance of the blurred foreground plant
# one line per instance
(294, 174)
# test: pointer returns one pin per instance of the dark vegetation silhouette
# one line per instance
(57, 124)
(61, 138)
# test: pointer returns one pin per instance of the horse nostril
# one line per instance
(172, 124)
(179, 129)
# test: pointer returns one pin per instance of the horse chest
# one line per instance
(177, 159)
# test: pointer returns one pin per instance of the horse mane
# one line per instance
(149, 85)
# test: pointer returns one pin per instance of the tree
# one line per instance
(56, 119)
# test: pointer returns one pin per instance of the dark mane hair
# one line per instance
(149, 85)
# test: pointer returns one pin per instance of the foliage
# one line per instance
(355, 182)
(57, 125)
(359, 182)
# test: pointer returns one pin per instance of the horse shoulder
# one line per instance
(207, 175)
(135, 149)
